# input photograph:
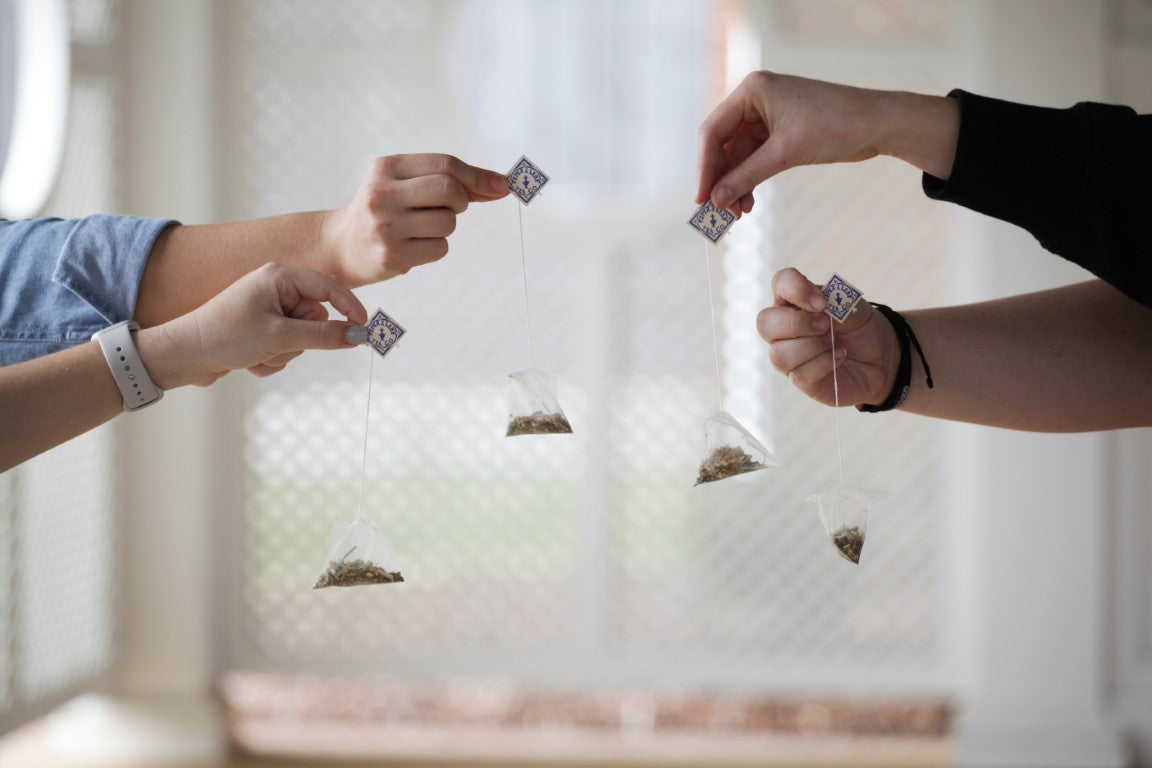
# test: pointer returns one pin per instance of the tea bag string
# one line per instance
(524, 274)
(715, 333)
(836, 395)
(364, 455)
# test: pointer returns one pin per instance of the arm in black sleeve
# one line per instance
(1076, 178)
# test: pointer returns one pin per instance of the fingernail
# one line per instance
(497, 184)
(817, 302)
(820, 323)
(722, 197)
(356, 334)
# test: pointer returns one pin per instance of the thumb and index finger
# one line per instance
(718, 178)
(481, 184)
(299, 292)
(794, 291)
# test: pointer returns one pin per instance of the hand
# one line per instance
(260, 322)
(402, 215)
(772, 122)
(798, 328)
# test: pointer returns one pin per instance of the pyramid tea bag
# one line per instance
(844, 509)
(844, 513)
(532, 405)
(359, 554)
(533, 408)
(730, 450)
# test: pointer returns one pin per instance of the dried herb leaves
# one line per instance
(726, 461)
(354, 573)
(539, 423)
(849, 540)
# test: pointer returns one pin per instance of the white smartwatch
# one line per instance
(127, 368)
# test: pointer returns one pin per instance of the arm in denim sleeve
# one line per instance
(61, 281)
(1071, 177)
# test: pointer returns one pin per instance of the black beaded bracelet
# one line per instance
(900, 387)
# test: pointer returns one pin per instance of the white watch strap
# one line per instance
(127, 368)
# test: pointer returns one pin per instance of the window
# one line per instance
(57, 511)
(588, 559)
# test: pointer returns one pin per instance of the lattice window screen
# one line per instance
(64, 561)
(590, 558)
(57, 562)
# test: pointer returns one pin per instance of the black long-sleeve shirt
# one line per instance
(1079, 179)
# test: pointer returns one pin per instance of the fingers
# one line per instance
(788, 354)
(734, 148)
(298, 335)
(783, 323)
(306, 309)
(424, 222)
(275, 364)
(440, 192)
(811, 377)
(714, 133)
(414, 252)
(478, 183)
(791, 288)
(739, 181)
(296, 285)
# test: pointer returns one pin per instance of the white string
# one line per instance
(715, 334)
(524, 272)
(364, 455)
(836, 394)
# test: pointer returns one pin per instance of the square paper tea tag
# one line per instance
(842, 297)
(383, 332)
(525, 180)
(711, 222)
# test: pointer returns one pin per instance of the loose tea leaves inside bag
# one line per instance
(532, 405)
(730, 450)
(844, 513)
(360, 554)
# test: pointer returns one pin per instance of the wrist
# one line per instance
(328, 245)
(902, 383)
(118, 346)
(168, 362)
(921, 130)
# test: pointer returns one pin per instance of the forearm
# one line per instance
(1069, 359)
(260, 322)
(191, 264)
(49, 400)
(400, 217)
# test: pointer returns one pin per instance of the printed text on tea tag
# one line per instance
(842, 297)
(383, 332)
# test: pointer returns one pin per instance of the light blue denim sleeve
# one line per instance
(61, 281)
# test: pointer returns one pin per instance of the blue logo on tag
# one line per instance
(711, 222)
(383, 332)
(525, 180)
(842, 297)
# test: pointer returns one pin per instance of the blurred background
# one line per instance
(568, 599)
